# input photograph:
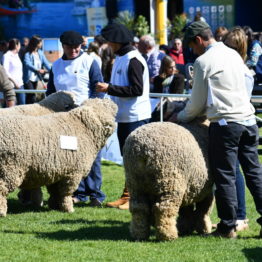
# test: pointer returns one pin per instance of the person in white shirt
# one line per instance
(219, 90)
(14, 68)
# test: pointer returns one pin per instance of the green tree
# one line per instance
(176, 25)
(138, 26)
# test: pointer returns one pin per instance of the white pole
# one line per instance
(152, 16)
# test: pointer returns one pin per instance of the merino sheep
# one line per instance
(61, 101)
(167, 173)
(31, 155)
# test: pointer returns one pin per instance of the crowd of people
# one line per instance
(127, 69)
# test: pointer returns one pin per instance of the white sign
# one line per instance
(96, 20)
(68, 142)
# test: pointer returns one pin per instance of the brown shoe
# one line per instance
(230, 234)
(124, 206)
(119, 202)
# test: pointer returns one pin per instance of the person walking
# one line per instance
(128, 88)
(219, 90)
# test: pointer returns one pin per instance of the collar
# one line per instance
(125, 49)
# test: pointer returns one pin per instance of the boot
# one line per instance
(124, 206)
(121, 201)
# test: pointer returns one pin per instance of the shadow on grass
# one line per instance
(88, 222)
(253, 254)
(15, 207)
(110, 232)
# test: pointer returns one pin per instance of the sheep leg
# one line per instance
(53, 199)
(140, 223)
(203, 222)
(7, 187)
(185, 221)
(165, 213)
(61, 194)
(3, 201)
(37, 197)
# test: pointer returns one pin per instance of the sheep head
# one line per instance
(98, 115)
(61, 101)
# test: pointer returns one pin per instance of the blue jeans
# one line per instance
(20, 97)
(227, 144)
(90, 186)
(241, 200)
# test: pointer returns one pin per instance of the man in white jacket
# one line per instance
(219, 91)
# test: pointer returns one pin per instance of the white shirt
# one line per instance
(73, 75)
(13, 67)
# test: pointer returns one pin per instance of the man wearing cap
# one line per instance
(219, 91)
(128, 88)
(77, 72)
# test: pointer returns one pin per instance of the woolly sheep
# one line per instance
(166, 174)
(31, 156)
(61, 101)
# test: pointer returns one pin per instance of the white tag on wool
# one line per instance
(68, 142)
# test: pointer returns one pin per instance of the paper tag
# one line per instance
(68, 142)
(222, 122)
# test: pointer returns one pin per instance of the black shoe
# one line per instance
(94, 203)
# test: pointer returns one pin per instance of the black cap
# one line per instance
(71, 38)
(193, 30)
(117, 33)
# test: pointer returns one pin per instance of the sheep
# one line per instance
(31, 155)
(61, 101)
(58, 102)
(167, 173)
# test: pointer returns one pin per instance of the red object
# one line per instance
(177, 56)
(15, 11)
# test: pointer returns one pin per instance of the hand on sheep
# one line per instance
(102, 87)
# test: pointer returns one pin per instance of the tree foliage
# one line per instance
(138, 26)
(176, 26)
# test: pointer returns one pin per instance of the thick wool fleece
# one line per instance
(166, 170)
(31, 156)
(61, 101)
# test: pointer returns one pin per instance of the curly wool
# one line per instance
(61, 101)
(166, 169)
(31, 156)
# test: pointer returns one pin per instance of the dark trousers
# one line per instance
(241, 199)
(227, 144)
(90, 186)
(124, 129)
(30, 98)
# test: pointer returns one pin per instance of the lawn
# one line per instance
(101, 234)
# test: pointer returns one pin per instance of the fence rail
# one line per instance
(254, 99)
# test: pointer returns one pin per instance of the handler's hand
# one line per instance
(102, 87)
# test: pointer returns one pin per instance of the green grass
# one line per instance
(101, 234)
